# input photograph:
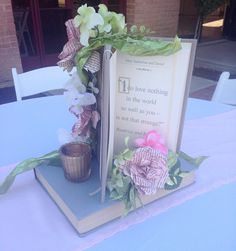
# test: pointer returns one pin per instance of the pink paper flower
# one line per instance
(153, 140)
(147, 169)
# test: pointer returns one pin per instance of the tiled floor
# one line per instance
(205, 93)
(211, 77)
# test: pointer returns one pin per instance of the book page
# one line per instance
(149, 94)
(105, 110)
(146, 93)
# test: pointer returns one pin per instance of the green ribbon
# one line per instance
(52, 158)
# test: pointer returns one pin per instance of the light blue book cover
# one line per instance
(81, 202)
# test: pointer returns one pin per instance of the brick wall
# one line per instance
(159, 15)
(9, 51)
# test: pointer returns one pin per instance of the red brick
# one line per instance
(9, 51)
(161, 16)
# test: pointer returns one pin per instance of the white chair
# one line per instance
(225, 91)
(39, 80)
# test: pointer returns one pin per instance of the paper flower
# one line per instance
(81, 127)
(86, 20)
(147, 169)
(71, 47)
(93, 63)
(153, 140)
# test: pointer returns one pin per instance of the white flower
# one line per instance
(79, 99)
(86, 20)
(107, 16)
(75, 82)
(86, 99)
(71, 94)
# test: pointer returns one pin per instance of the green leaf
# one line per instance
(176, 181)
(177, 171)
(132, 196)
(175, 168)
(195, 161)
(169, 181)
(114, 195)
(171, 159)
(148, 47)
(184, 174)
(128, 155)
(109, 185)
(126, 141)
(24, 166)
(142, 29)
(116, 162)
(119, 160)
(134, 29)
(126, 43)
(125, 151)
(119, 182)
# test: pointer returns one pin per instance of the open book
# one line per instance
(137, 94)
(143, 93)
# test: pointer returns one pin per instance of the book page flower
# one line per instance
(147, 169)
(86, 20)
(71, 47)
(154, 140)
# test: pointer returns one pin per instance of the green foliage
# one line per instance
(206, 7)
(175, 173)
(109, 28)
(27, 165)
(122, 188)
(175, 176)
(119, 185)
(133, 44)
(194, 161)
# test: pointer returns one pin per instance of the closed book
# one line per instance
(80, 202)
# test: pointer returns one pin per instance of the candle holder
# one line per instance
(76, 160)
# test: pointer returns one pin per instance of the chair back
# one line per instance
(225, 91)
(39, 81)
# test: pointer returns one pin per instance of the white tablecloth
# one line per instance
(29, 220)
